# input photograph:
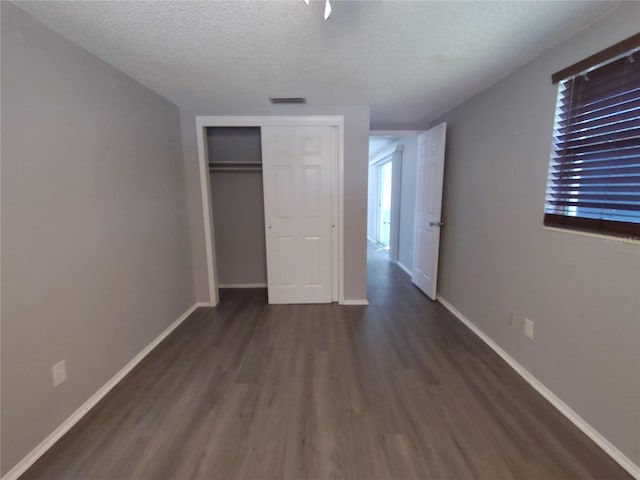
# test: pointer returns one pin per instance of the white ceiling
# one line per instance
(409, 60)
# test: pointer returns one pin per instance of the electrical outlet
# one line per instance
(512, 319)
(59, 373)
(528, 328)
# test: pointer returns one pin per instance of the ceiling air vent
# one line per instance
(287, 100)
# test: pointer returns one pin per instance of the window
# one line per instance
(594, 172)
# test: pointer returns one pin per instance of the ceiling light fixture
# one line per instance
(327, 8)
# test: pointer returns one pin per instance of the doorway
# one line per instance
(392, 188)
(237, 203)
(384, 216)
(416, 181)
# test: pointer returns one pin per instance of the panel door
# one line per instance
(297, 177)
(430, 176)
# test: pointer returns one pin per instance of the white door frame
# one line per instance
(337, 244)
(379, 194)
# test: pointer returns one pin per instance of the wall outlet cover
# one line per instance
(528, 328)
(59, 371)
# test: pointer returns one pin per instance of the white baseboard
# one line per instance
(407, 271)
(242, 285)
(355, 302)
(75, 417)
(624, 461)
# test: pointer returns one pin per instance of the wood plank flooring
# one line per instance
(396, 390)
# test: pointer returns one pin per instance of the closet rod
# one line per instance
(235, 169)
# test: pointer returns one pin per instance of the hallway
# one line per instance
(396, 390)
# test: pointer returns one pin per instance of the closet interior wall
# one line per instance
(235, 160)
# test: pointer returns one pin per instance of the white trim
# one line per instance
(76, 416)
(373, 196)
(383, 155)
(606, 239)
(405, 269)
(624, 461)
(203, 121)
(242, 285)
(268, 120)
(336, 194)
(340, 193)
(207, 214)
(396, 188)
(354, 302)
(394, 133)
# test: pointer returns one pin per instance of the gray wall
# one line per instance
(356, 147)
(238, 207)
(583, 293)
(234, 144)
(238, 218)
(407, 200)
(96, 257)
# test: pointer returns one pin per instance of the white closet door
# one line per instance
(297, 164)
(426, 241)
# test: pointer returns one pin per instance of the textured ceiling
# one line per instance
(410, 61)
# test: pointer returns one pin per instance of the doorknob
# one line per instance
(436, 224)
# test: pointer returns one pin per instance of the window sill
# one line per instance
(605, 238)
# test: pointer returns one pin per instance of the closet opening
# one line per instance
(237, 203)
(302, 167)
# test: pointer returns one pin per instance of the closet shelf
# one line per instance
(235, 166)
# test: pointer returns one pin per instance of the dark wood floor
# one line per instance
(396, 390)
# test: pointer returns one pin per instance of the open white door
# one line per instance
(297, 166)
(426, 240)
